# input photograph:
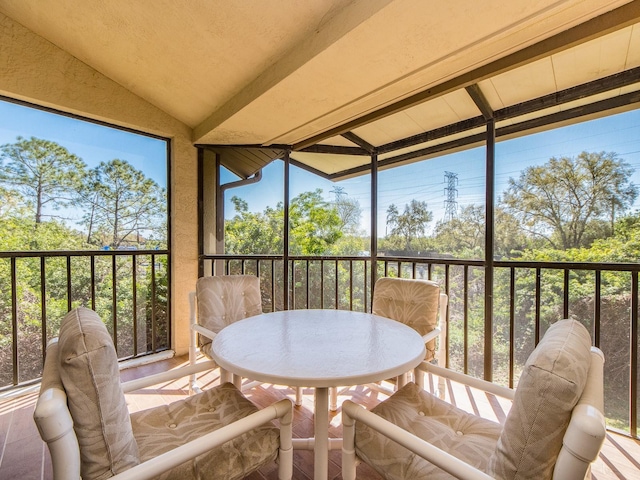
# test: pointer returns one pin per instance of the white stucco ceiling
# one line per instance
(266, 72)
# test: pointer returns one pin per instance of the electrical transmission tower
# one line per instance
(451, 192)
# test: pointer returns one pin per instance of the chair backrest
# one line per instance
(412, 302)
(81, 411)
(225, 299)
(551, 385)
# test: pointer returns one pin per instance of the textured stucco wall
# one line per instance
(35, 70)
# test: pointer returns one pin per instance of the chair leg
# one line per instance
(418, 376)
(401, 381)
(193, 383)
(333, 399)
(285, 460)
(441, 387)
(298, 396)
(348, 445)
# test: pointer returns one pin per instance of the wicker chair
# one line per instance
(418, 304)
(219, 301)
(82, 416)
(555, 428)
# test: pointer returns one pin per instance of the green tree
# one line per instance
(349, 210)
(122, 202)
(464, 233)
(563, 199)
(43, 172)
(254, 233)
(411, 224)
(314, 224)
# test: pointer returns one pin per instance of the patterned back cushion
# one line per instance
(412, 302)
(550, 386)
(91, 379)
(227, 299)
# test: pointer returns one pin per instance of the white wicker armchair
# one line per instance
(419, 304)
(555, 428)
(219, 301)
(82, 415)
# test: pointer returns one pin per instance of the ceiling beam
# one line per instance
(621, 102)
(352, 137)
(595, 87)
(621, 17)
(335, 149)
(480, 100)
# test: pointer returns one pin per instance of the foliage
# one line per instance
(561, 200)
(122, 202)
(315, 227)
(256, 233)
(43, 172)
(349, 211)
(314, 224)
(465, 232)
(411, 223)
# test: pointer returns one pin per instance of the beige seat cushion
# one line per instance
(412, 302)
(550, 386)
(163, 428)
(224, 300)
(468, 437)
(91, 379)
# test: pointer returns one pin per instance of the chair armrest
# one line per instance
(431, 453)
(467, 380)
(169, 375)
(586, 432)
(203, 331)
(55, 425)
(435, 333)
(160, 464)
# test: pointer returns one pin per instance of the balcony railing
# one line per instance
(128, 289)
(524, 299)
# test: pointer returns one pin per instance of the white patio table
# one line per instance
(319, 349)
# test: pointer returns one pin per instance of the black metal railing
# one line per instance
(526, 298)
(128, 289)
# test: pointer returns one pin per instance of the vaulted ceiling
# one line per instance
(335, 80)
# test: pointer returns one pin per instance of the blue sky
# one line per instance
(91, 142)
